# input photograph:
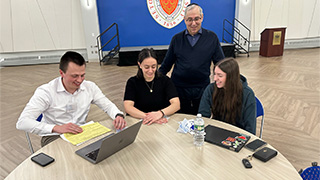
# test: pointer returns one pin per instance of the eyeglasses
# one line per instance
(190, 20)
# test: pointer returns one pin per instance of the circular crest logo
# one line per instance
(167, 13)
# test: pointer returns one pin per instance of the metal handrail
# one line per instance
(114, 50)
(249, 32)
(236, 31)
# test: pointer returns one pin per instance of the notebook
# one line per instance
(225, 138)
(107, 146)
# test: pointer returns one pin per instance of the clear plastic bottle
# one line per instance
(198, 137)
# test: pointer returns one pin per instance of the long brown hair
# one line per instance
(227, 102)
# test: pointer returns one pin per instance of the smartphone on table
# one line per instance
(42, 159)
(255, 144)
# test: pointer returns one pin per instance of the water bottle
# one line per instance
(198, 137)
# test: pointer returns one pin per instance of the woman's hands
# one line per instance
(154, 117)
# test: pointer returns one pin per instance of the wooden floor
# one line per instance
(288, 86)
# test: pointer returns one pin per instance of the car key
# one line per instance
(246, 163)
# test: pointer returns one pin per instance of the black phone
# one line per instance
(254, 145)
(42, 159)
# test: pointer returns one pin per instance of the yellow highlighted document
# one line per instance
(89, 131)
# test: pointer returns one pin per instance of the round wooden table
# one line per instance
(159, 152)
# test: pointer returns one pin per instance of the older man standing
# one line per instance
(191, 52)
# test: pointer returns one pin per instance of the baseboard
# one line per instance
(35, 57)
(292, 43)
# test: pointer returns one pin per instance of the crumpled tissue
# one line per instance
(186, 126)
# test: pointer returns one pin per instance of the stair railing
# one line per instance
(114, 51)
(236, 36)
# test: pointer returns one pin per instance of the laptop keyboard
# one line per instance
(93, 154)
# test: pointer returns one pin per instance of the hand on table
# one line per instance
(67, 128)
(119, 123)
(154, 117)
(161, 120)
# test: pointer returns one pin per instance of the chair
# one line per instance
(311, 173)
(28, 137)
(260, 112)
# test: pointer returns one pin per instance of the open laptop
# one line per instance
(225, 138)
(110, 144)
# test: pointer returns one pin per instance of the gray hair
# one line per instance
(192, 6)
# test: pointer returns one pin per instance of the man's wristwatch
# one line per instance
(119, 114)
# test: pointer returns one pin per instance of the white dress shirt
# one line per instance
(59, 107)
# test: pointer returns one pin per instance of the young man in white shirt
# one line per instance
(65, 102)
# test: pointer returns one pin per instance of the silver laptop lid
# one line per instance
(112, 144)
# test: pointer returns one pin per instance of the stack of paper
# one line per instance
(90, 130)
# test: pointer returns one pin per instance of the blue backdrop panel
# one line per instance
(138, 28)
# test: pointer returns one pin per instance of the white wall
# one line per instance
(243, 14)
(36, 25)
(40, 25)
(91, 28)
(300, 17)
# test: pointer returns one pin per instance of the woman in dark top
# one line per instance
(150, 95)
(229, 98)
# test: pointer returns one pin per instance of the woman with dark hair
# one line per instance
(229, 98)
(150, 95)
